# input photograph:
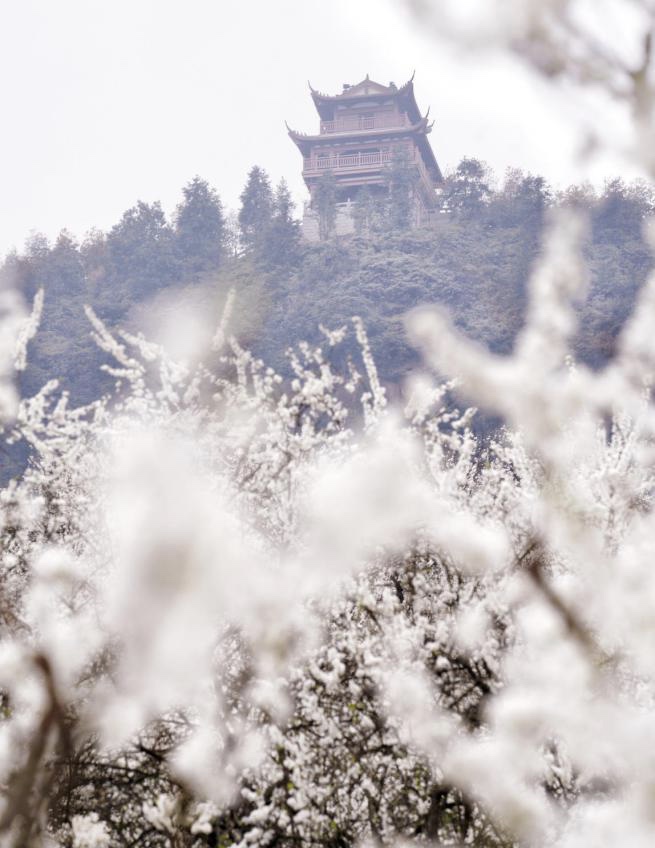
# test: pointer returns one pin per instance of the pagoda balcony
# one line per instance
(347, 161)
(361, 123)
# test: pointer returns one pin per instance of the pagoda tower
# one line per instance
(362, 131)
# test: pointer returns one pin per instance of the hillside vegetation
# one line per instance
(474, 260)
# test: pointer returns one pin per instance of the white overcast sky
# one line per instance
(105, 103)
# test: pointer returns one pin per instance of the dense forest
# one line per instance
(474, 259)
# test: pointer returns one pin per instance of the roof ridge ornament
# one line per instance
(316, 93)
(407, 85)
(295, 133)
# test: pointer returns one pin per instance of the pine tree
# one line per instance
(200, 229)
(280, 241)
(283, 204)
(256, 210)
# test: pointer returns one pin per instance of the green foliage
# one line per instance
(466, 267)
(63, 347)
(140, 259)
(200, 229)
(256, 210)
(401, 180)
(474, 261)
(467, 189)
(621, 211)
(269, 232)
(387, 208)
(280, 240)
(522, 202)
(324, 202)
(370, 212)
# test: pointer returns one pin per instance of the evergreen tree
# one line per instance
(400, 182)
(283, 205)
(58, 270)
(324, 201)
(141, 258)
(256, 210)
(200, 229)
(63, 347)
(280, 241)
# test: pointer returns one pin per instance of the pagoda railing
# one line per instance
(347, 160)
(361, 123)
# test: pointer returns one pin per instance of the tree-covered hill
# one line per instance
(474, 260)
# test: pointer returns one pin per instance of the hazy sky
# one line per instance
(105, 103)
